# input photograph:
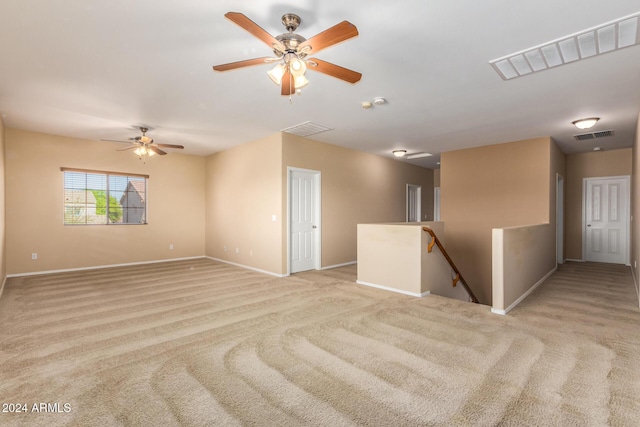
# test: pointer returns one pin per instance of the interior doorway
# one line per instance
(304, 219)
(605, 231)
(560, 219)
(414, 202)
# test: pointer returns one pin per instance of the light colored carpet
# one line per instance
(198, 343)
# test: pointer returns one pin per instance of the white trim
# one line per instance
(526, 294)
(436, 203)
(258, 270)
(318, 213)
(344, 264)
(386, 288)
(559, 219)
(97, 267)
(574, 260)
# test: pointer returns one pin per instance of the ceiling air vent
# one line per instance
(593, 135)
(306, 129)
(604, 38)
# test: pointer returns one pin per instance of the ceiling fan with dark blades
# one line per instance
(291, 51)
(144, 146)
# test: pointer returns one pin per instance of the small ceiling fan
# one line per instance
(291, 51)
(144, 145)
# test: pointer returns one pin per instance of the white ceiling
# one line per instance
(98, 69)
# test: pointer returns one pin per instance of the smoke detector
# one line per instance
(366, 105)
(379, 100)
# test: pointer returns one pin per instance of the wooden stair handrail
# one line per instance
(458, 278)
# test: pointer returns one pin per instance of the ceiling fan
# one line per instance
(291, 51)
(144, 145)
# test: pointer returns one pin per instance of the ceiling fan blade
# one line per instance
(169, 146)
(240, 64)
(257, 31)
(127, 148)
(287, 84)
(334, 70)
(336, 34)
(156, 150)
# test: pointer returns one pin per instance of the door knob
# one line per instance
(313, 226)
(588, 225)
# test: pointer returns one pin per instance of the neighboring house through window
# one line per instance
(95, 197)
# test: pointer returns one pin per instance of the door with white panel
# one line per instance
(304, 219)
(606, 204)
(414, 200)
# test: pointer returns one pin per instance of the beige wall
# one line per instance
(243, 191)
(588, 165)
(520, 262)
(34, 211)
(495, 186)
(3, 245)
(357, 188)
(635, 207)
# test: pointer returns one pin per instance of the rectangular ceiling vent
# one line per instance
(593, 135)
(604, 38)
(306, 129)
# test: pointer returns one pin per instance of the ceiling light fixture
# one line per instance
(399, 153)
(585, 123)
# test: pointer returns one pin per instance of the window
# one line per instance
(94, 197)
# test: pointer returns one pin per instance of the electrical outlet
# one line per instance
(34, 255)
(251, 252)
(224, 249)
(237, 250)
(171, 246)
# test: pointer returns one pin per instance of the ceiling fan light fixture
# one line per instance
(299, 82)
(276, 74)
(585, 123)
(297, 67)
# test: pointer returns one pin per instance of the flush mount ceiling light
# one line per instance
(604, 38)
(399, 153)
(291, 50)
(585, 123)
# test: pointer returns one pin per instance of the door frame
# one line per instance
(559, 219)
(317, 247)
(627, 196)
(418, 202)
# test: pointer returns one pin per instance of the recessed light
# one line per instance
(585, 123)
(399, 153)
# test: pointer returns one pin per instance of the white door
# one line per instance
(304, 220)
(606, 220)
(414, 200)
(436, 203)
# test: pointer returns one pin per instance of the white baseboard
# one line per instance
(386, 288)
(270, 273)
(328, 267)
(97, 267)
(526, 294)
